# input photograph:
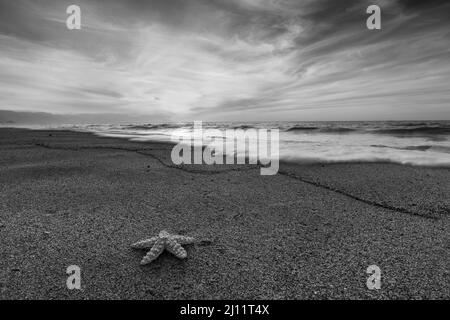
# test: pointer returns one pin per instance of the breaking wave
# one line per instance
(415, 143)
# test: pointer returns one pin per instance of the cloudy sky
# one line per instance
(228, 59)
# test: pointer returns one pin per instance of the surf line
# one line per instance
(368, 202)
(284, 173)
(211, 146)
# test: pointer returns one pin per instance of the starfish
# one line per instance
(164, 240)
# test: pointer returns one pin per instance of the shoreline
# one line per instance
(282, 161)
(71, 197)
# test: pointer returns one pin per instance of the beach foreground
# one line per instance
(309, 232)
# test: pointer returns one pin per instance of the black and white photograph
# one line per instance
(224, 150)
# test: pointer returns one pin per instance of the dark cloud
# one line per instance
(420, 4)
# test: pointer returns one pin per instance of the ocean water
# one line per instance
(422, 143)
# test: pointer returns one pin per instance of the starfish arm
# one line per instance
(154, 252)
(176, 248)
(145, 244)
(183, 239)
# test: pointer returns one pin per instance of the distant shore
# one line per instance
(309, 232)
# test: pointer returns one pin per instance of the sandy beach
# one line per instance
(309, 232)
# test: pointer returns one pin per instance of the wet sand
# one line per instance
(309, 232)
